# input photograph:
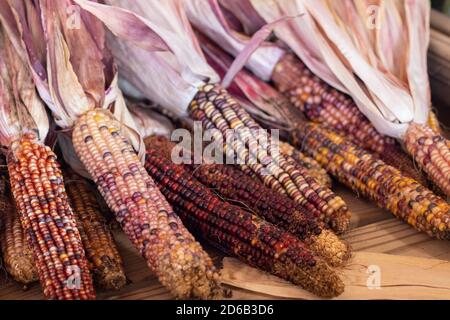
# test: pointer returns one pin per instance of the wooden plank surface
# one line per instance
(373, 230)
(395, 277)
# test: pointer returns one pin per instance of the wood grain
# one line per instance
(373, 230)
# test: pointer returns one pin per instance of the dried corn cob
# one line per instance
(325, 105)
(240, 233)
(232, 184)
(47, 218)
(17, 255)
(432, 152)
(313, 167)
(385, 185)
(101, 250)
(144, 214)
(214, 107)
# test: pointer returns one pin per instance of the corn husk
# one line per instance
(155, 49)
(257, 97)
(21, 109)
(382, 68)
(74, 71)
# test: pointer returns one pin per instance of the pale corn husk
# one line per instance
(156, 51)
(79, 74)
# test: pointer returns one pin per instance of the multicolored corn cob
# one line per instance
(144, 214)
(232, 185)
(101, 250)
(432, 152)
(323, 104)
(371, 177)
(215, 108)
(240, 233)
(313, 167)
(17, 256)
(47, 218)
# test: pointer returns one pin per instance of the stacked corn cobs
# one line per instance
(385, 185)
(303, 260)
(323, 104)
(17, 256)
(144, 214)
(216, 109)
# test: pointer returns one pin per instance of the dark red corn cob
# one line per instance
(240, 233)
(232, 184)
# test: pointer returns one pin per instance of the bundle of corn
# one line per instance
(299, 158)
(80, 88)
(98, 241)
(234, 186)
(433, 123)
(199, 95)
(363, 172)
(323, 104)
(36, 179)
(242, 90)
(391, 91)
(240, 233)
(314, 97)
(17, 256)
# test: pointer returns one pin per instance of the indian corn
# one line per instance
(144, 214)
(313, 167)
(240, 233)
(433, 123)
(385, 185)
(215, 108)
(233, 185)
(431, 150)
(17, 256)
(101, 250)
(47, 219)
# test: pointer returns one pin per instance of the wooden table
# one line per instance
(376, 237)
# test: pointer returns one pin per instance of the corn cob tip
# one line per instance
(318, 279)
(332, 249)
(23, 270)
(340, 221)
(111, 277)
